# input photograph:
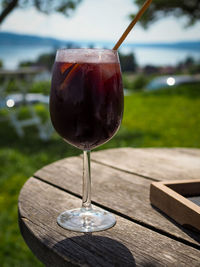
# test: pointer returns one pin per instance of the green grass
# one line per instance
(171, 120)
(167, 118)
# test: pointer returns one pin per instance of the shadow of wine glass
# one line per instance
(94, 250)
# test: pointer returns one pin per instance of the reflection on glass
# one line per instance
(86, 106)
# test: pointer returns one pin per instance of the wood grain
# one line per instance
(185, 187)
(175, 205)
(126, 244)
(122, 192)
(156, 163)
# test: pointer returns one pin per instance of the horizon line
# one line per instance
(100, 41)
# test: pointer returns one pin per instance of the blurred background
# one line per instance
(160, 62)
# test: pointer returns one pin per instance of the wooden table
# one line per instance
(121, 178)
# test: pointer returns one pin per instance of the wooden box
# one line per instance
(179, 199)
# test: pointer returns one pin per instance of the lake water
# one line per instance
(11, 55)
(162, 56)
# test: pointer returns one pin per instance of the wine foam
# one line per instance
(86, 55)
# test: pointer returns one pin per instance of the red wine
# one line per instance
(86, 102)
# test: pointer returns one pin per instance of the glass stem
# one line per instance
(86, 199)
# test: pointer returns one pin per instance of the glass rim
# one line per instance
(87, 55)
(87, 49)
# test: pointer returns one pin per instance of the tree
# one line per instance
(160, 8)
(128, 62)
(45, 6)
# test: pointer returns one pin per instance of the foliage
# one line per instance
(41, 87)
(194, 69)
(163, 118)
(135, 82)
(139, 83)
(24, 64)
(189, 64)
(46, 6)
(36, 87)
(46, 60)
(128, 62)
(127, 81)
(160, 8)
(1, 63)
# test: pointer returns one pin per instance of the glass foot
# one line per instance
(83, 220)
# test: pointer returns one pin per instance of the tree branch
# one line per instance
(8, 9)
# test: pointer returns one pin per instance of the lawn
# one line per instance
(167, 118)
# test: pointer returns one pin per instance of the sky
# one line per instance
(98, 20)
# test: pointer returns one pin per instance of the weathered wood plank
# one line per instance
(126, 244)
(123, 192)
(157, 163)
(176, 205)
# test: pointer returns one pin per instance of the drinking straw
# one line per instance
(131, 25)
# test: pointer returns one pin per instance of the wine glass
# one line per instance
(86, 107)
